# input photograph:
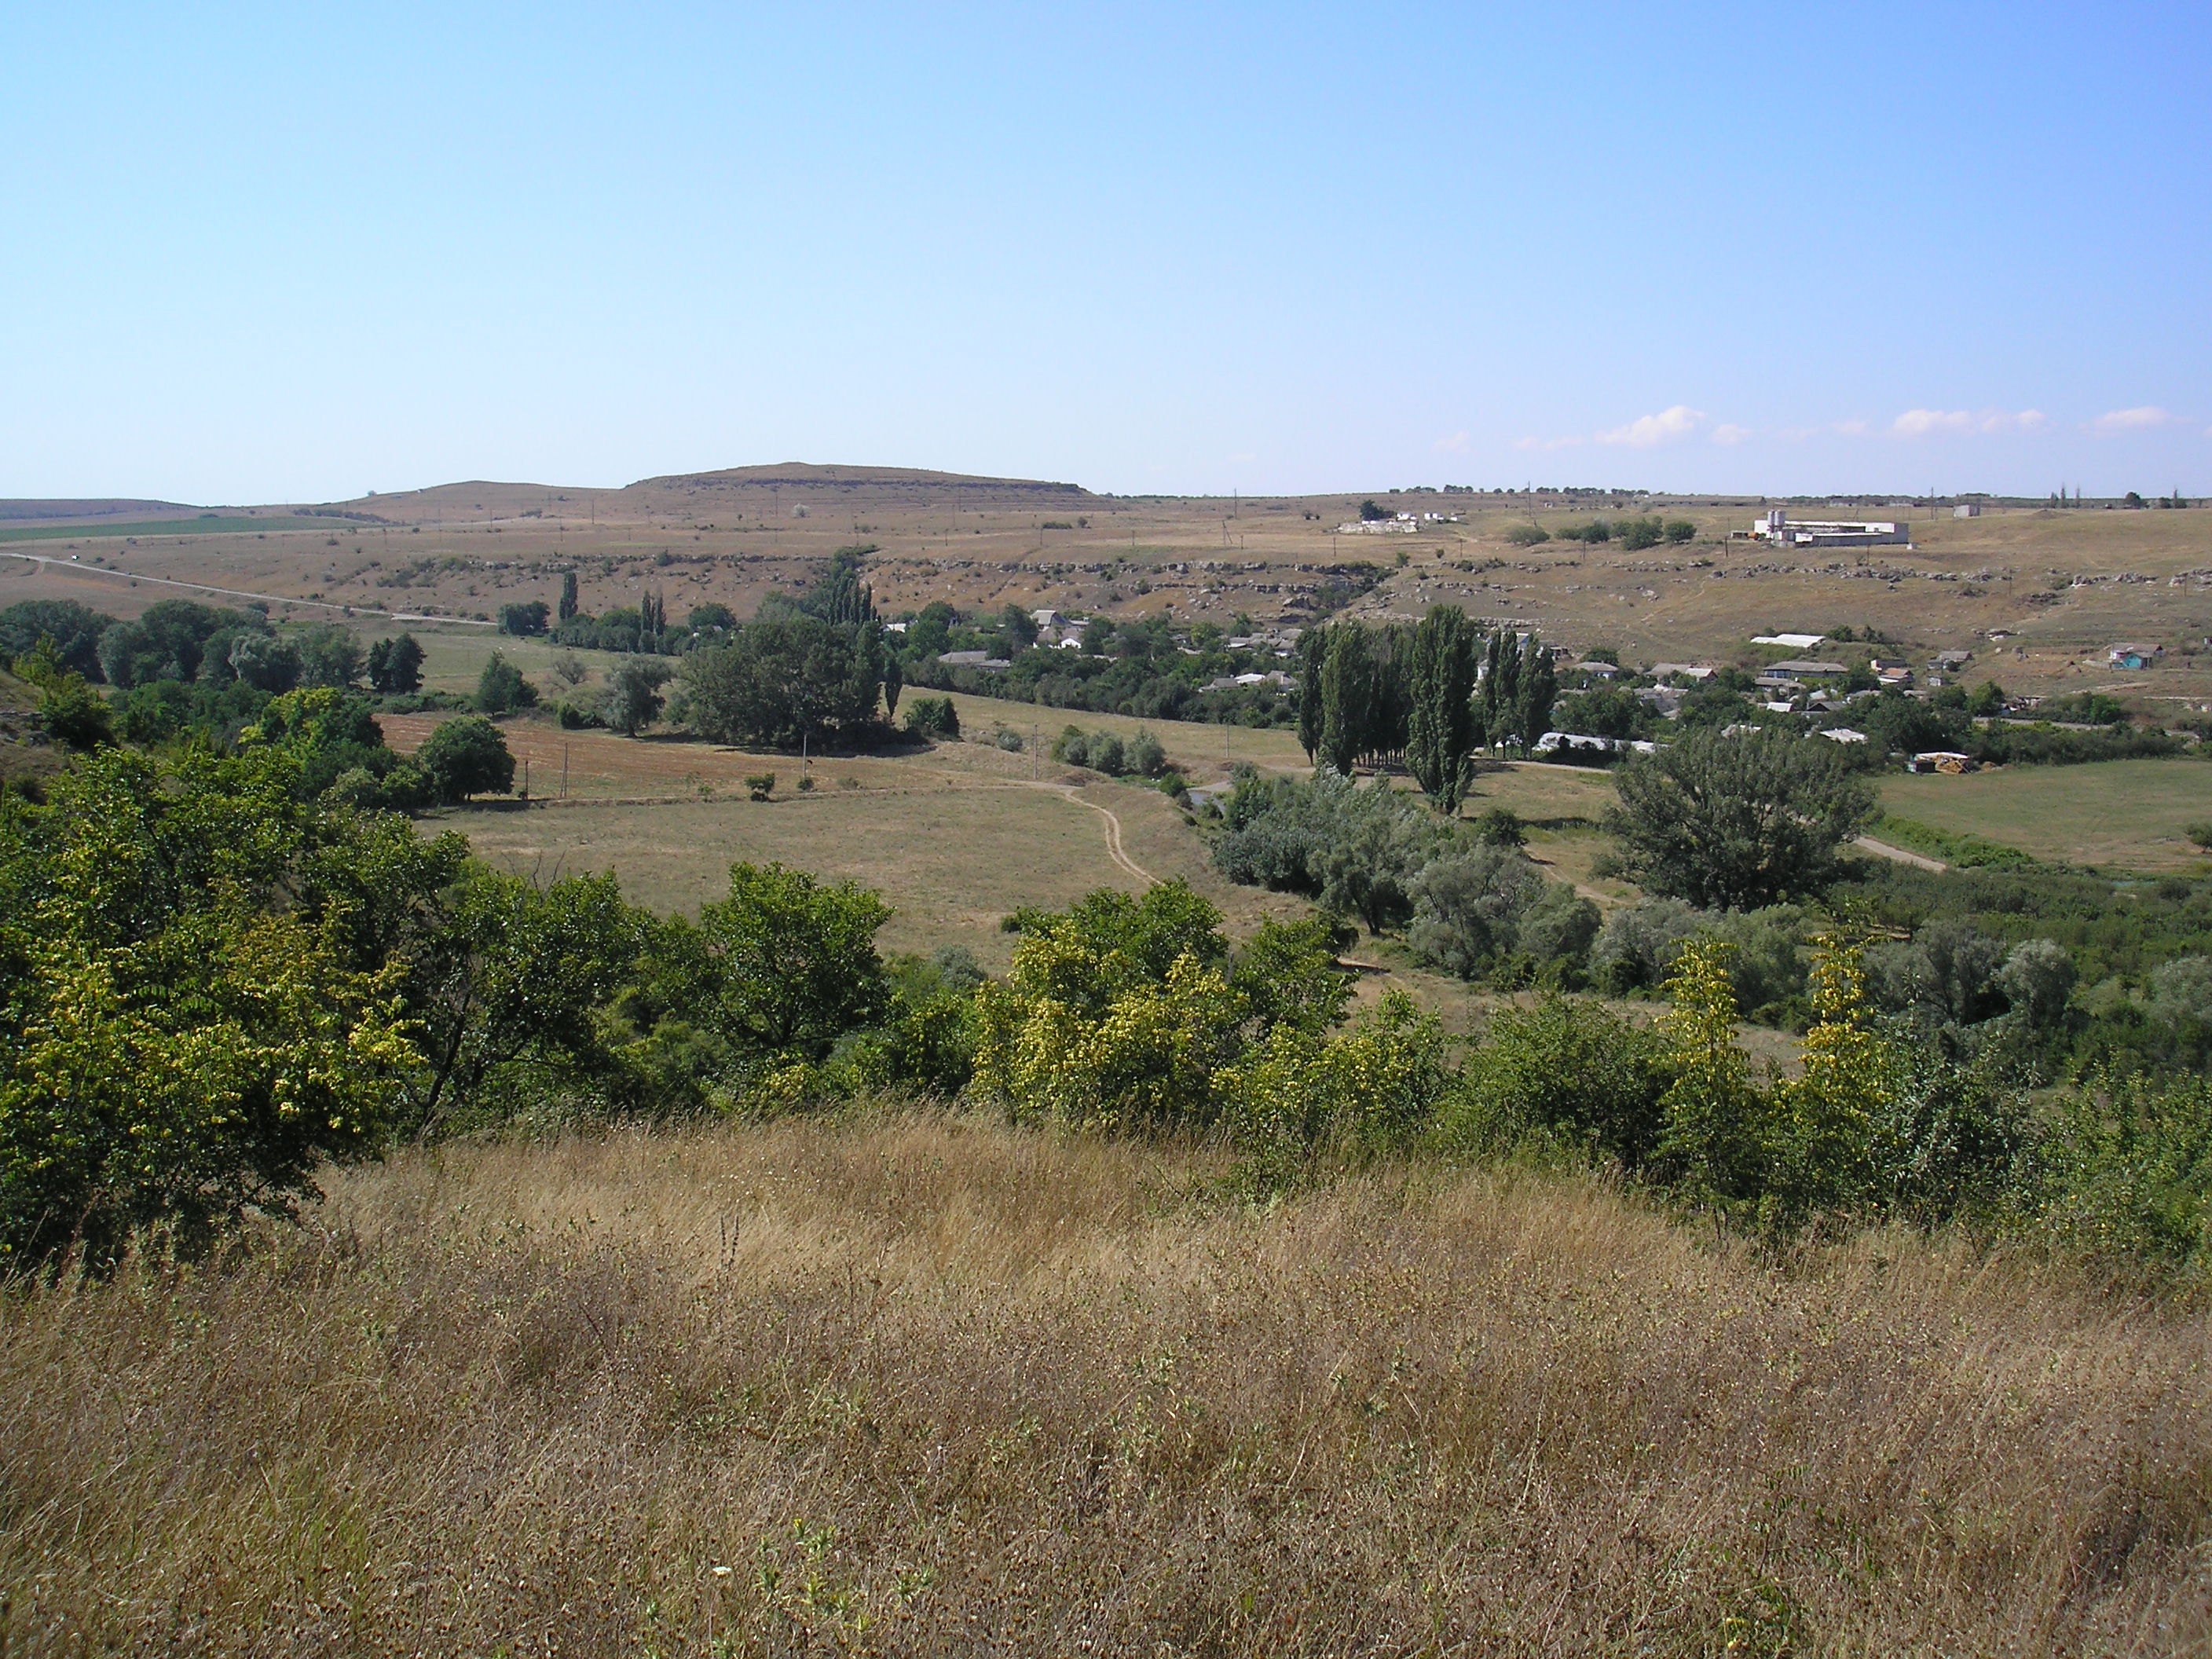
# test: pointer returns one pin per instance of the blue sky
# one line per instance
(300, 252)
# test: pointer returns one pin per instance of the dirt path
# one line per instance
(78, 569)
(1121, 859)
(1883, 849)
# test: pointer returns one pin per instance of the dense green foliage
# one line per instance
(781, 684)
(1735, 822)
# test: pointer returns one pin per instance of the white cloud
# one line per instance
(1727, 434)
(2131, 420)
(1546, 443)
(1852, 428)
(1930, 422)
(1919, 422)
(1458, 443)
(1649, 431)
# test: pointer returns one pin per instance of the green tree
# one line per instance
(1351, 695)
(1313, 661)
(1738, 822)
(395, 666)
(179, 1043)
(266, 662)
(75, 629)
(71, 710)
(633, 700)
(568, 605)
(500, 688)
(780, 684)
(330, 656)
(1440, 719)
(523, 617)
(503, 981)
(793, 961)
(466, 756)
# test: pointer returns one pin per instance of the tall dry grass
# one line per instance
(926, 1386)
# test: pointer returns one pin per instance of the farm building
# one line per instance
(2134, 656)
(1801, 669)
(1942, 760)
(1778, 527)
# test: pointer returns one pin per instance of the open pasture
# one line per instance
(2119, 815)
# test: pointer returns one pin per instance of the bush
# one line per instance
(1144, 755)
(932, 717)
(1478, 908)
(1527, 535)
(1356, 850)
(1566, 1069)
(761, 784)
(1679, 531)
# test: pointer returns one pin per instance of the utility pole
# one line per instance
(565, 771)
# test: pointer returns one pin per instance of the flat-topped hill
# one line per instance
(800, 474)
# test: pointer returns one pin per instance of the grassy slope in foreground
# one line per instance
(927, 1386)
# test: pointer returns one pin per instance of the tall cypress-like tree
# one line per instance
(1501, 687)
(1538, 689)
(1313, 655)
(1349, 685)
(568, 595)
(1440, 717)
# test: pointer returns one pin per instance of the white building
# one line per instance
(1778, 527)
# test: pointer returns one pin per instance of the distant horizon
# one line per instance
(98, 505)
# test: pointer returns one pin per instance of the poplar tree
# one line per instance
(568, 595)
(1349, 685)
(1440, 715)
(1313, 654)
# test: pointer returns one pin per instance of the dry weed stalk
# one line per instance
(924, 1387)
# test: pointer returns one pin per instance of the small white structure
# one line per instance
(1778, 527)
(1794, 641)
(1843, 734)
(1968, 510)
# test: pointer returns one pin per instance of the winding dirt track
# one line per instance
(1114, 850)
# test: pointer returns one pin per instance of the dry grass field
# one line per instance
(2065, 583)
(2119, 815)
(927, 1386)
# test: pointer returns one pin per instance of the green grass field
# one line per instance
(2121, 814)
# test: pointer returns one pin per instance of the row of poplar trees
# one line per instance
(1433, 694)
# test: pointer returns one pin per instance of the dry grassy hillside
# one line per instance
(927, 1386)
(2065, 584)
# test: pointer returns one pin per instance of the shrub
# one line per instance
(760, 784)
(1527, 535)
(1476, 908)
(1567, 1070)
(1145, 755)
(932, 717)
(1679, 531)
(1500, 827)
